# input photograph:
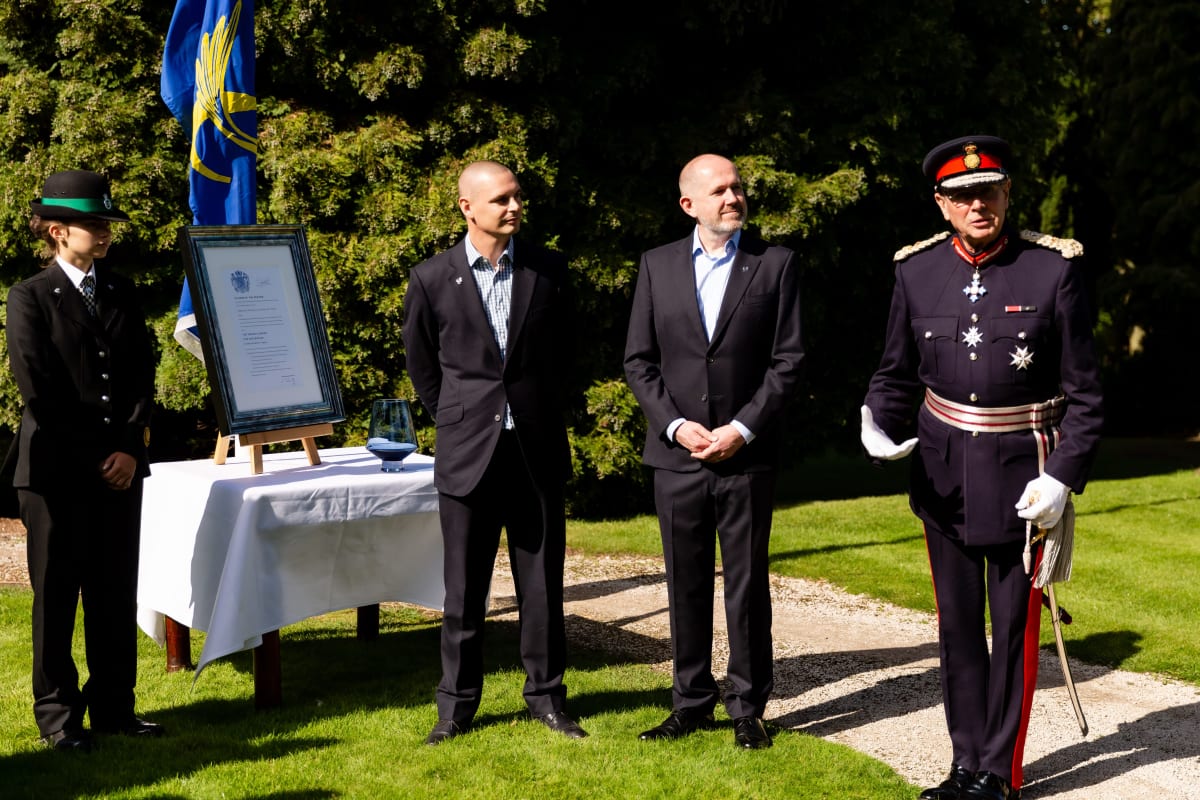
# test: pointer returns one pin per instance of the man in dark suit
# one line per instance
(713, 354)
(484, 332)
(82, 358)
(990, 332)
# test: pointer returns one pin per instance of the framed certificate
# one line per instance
(261, 327)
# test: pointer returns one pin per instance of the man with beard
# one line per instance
(713, 354)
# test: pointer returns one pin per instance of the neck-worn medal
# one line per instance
(975, 289)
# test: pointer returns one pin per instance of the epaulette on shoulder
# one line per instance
(924, 244)
(1068, 247)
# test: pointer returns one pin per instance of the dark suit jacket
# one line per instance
(747, 372)
(455, 366)
(87, 382)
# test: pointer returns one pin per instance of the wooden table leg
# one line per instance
(268, 679)
(179, 646)
(368, 623)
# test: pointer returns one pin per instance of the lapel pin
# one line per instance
(458, 281)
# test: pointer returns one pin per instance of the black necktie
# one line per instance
(87, 287)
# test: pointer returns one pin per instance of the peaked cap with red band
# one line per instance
(967, 161)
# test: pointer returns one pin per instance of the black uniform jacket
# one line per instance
(455, 365)
(748, 371)
(87, 382)
(1033, 341)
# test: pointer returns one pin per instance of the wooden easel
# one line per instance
(306, 434)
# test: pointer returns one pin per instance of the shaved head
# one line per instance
(699, 168)
(477, 173)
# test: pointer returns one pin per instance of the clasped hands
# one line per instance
(711, 446)
(118, 470)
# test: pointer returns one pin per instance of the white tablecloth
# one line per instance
(238, 555)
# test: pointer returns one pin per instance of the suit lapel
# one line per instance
(107, 307)
(741, 271)
(68, 300)
(682, 273)
(466, 293)
(523, 282)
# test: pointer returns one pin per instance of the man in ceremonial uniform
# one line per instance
(990, 332)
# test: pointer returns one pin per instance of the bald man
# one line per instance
(483, 333)
(713, 355)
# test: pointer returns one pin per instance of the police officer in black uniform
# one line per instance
(989, 340)
(82, 358)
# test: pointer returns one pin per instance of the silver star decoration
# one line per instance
(1021, 358)
(972, 336)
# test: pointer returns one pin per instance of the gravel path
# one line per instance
(863, 673)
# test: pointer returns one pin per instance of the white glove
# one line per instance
(1043, 501)
(878, 444)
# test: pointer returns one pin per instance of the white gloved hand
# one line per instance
(878, 444)
(1043, 501)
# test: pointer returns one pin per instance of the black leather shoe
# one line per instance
(445, 730)
(681, 722)
(988, 786)
(130, 727)
(561, 723)
(949, 788)
(69, 741)
(750, 734)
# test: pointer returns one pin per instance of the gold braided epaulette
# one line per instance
(1068, 247)
(924, 244)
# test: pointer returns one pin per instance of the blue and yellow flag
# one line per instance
(208, 83)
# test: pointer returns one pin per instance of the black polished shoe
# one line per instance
(989, 786)
(559, 722)
(445, 730)
(681, 722)
(70, 741)
(132, 726)
(949, 788)
(749, 733)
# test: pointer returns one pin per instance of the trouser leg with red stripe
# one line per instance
(987, 695)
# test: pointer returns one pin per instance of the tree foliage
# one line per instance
(368, 111)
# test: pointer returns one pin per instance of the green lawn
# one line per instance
(356, 713)
(1134, 593)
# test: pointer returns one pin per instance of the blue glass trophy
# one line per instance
(391, 436)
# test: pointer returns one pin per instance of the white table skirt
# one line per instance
(238, 555)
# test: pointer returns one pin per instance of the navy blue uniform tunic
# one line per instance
(1027, 339)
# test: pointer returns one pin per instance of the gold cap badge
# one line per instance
(971, 159)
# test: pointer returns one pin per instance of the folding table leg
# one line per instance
(179, 646)
(368, 623)
(268, 679)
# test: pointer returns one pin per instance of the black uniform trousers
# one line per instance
(987, 718)
(695, 510)
(536, 529)
(83, 542)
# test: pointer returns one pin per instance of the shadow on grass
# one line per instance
(845, 476)
(121, 765)
(1107, 648)
(837, 548)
